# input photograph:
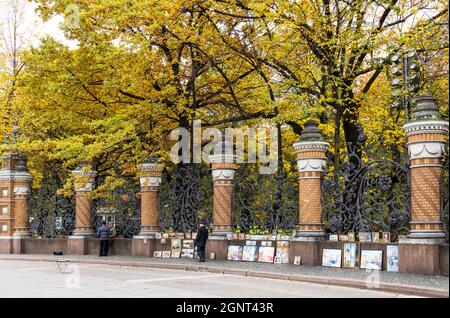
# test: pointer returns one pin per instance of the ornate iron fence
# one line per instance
(122, 208)
(265, 202)
(367, 192)
(186, 197)
(52, 214)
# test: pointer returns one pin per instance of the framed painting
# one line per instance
(371, 259)
(386, 237)
(350, 255)
(392, 258)
(331, 257)
(250, 253)
(334, 237)
(283, 254)
(234, 253)
(266, 254)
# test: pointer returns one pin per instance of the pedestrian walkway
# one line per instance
(424, 285)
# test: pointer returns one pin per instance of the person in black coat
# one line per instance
(200, 241)
(103, 234)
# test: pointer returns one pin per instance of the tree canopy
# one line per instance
(143, 68)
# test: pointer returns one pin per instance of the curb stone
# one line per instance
(352, 283)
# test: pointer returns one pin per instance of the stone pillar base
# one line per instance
(21, 234)
(145, 235)
(84, 234)
(217, 244)
(419, 258)
(17, 246)
(77, 245)
(310, 251)
(304, 235)
(5, 245)
(423, 237)
(142, 246)
(220, 234)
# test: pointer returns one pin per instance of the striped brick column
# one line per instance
(15, 184)
(223, 168)
(311, 161)
(150, 173)
(427, 135)
(84, 184)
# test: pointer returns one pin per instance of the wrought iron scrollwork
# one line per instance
(186, 197)
(265, 201)
(122, 208)
(52, 214)
(367, 192)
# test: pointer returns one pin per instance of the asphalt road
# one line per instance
(42, 279)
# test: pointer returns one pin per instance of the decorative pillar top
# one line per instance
(150, 165)
(84, 179)
(311, 138)
(426, 132)
(14, 167)
(311, 149)
(426, 117)
(150, 172)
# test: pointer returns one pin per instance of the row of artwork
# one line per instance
(257, 237)
(179, 248)
(174, 235)
(350, 257)
(185, 253)
(265, 253)
(373, 237)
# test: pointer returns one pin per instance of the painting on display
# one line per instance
(166, 254)
(297, 260)
(266, 254)
(331, 257)
(283, 251)
(375, 237)
(392, 258)
(351, 237)
(175, 255)
(334, 238)
(157, 254)
(386, 237)
(176, 245)
(371, 259)
(187, 253)
(250, 253)
(234, 253)
(188, 244)
(350, 257)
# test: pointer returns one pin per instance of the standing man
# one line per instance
(200, 241)
(103, 234)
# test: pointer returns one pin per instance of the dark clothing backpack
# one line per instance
(202, 236)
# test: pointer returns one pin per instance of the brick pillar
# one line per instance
(311, 161)
(15, 182)
(426, 137)
(150, 178)
(84, 182)
(223, 168)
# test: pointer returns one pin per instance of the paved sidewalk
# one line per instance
(425, 285)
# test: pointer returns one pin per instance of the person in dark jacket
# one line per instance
(103, 234)
(200, 241)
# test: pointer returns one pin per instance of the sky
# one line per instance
(34, 27)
